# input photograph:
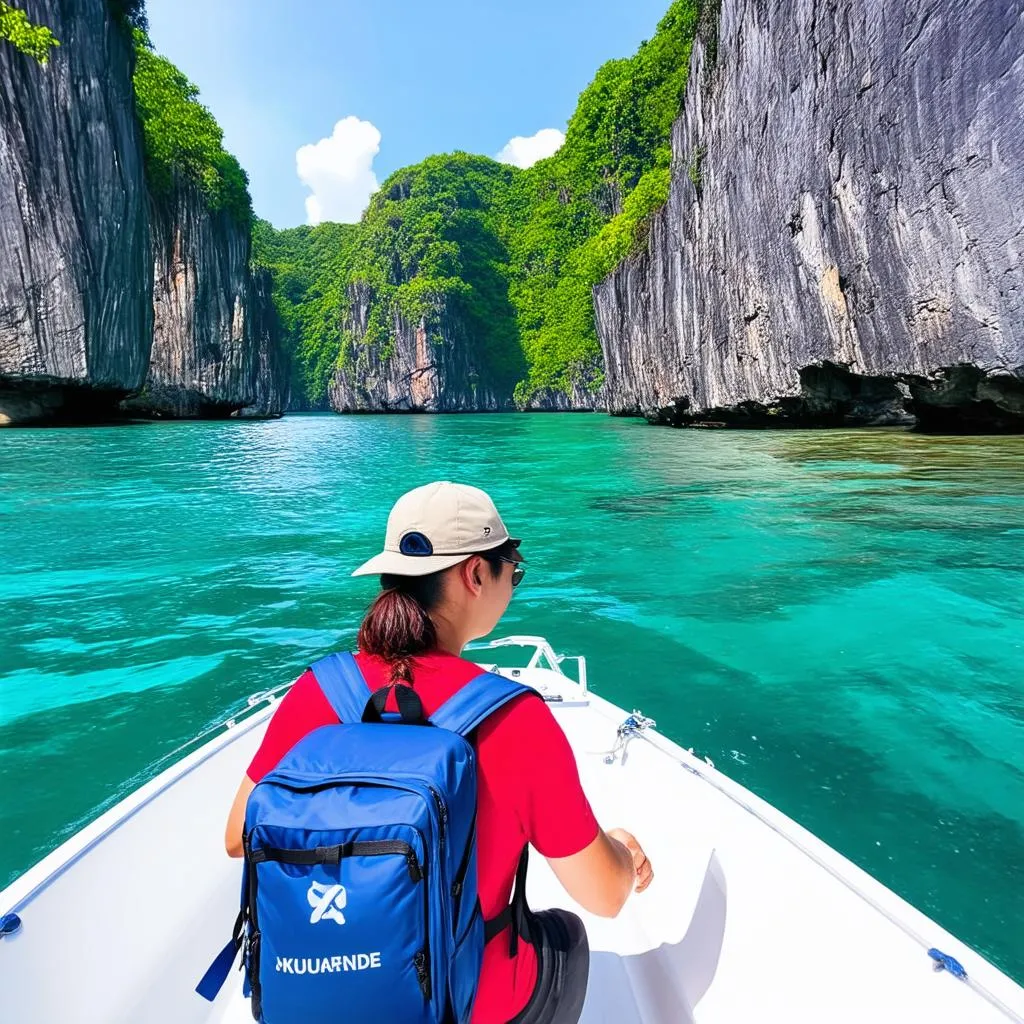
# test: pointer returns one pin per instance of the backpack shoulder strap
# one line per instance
(343, 685)
(464, 710)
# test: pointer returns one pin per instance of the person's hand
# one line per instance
(641, 865)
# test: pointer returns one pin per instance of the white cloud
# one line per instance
(525, 151)
(339, 171)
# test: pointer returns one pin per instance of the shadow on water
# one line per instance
(638, 505)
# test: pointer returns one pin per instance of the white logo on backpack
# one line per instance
(327, 901)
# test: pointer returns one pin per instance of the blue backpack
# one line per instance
(359, 895)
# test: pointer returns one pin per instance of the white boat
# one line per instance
(750, 917)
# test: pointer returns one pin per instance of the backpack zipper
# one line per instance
(460, 873)
(397, 781)
(442, 813)
(339, 851)
(421, 961)
(251, 956)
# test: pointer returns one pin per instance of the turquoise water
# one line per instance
(836, 618)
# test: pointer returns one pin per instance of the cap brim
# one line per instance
(515, 555)
(397, 564)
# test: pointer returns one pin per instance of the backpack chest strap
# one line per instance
(516, 914)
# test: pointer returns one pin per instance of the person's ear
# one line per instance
(471, 574)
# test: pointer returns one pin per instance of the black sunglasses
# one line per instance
(518, 573)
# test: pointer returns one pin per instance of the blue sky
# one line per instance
(405, 79)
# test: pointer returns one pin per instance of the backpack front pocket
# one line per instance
(343, 924)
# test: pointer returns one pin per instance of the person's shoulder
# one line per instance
(305, 684)
(302, 709)
(306, 699)
(531, 765)
(526, 714)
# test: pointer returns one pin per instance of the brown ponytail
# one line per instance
(397, 626)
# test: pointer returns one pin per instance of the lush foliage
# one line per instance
(181, 137)
(512, 255)
(310, 269)
(587, 206)
(32, 40)
(428, 246)
(432, 242)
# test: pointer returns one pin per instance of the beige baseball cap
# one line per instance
(437, 526)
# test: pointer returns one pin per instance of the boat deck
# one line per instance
(749, 917)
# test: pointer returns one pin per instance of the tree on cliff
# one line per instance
(578, 213)
(309, 268)
(32, 40)
(182, 140)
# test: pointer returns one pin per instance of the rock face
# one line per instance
(424, 367)
(75, 272)
(210, 321)
(843, 237)
(271, 367)
(581, 399)
(427, 367)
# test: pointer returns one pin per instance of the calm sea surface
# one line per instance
(835, 618)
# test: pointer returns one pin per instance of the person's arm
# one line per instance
(601, 876)
(597, 869)
(236, 819)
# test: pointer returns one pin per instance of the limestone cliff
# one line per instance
(75, 273)
(583, 396)
(843, 238)
(207, 321)
(426, 366)
(271, 384)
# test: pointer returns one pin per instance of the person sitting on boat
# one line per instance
(447, 574)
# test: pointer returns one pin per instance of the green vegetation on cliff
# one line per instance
(513, 254)
(309, 266)
(432, 244)
(180, 136)
(37, 40)
(34, 41)
(429, 245)
(586, 207)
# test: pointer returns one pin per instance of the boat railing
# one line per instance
(252, 703)
(544, 655)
